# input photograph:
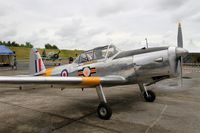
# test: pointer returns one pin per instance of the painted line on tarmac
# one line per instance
(157, 120)
(64, 124)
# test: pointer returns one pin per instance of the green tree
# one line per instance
(49, 46)
(54, 47)
(22, 45)
(8, 43)
(4, 43)
(28, 45)
(14, 44)
(44, 53)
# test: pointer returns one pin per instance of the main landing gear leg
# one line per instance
(104, 111)
(148, 95)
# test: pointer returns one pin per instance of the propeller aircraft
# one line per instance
(105, 66)
(51, 55)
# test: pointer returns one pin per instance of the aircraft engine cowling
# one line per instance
(175, 55)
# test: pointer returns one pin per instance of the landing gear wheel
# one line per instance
(56, 56)
(150, 97)
(104, 111)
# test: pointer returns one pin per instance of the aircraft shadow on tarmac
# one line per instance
(121, 102)
(126, 99)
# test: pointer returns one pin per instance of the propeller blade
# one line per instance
(180, 51)
(181, 70)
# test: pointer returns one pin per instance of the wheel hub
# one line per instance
(103, 111)
(149, 96)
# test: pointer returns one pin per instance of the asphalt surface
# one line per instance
(176, 109)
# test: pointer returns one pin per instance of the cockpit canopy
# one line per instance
(98, 53)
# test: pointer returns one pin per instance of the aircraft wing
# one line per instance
(83, 82)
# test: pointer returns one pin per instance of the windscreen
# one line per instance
(97, 54)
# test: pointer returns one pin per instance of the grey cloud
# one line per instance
(196, 17)
(171, 4)
(9, 34)
(5, 9)
(179, 10)
(84, 24)
(184, 14)
(71, 29)
(115, 7)
(2, 13)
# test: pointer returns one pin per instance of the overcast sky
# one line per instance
(85, 24)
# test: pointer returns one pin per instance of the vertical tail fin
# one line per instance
(36, 65)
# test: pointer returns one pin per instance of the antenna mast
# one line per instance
(146, 43)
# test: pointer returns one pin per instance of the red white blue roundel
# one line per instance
(64, 73)
(86, 72)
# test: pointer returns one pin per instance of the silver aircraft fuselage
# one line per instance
(136, 66)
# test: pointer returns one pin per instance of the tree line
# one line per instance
(49, 46)
(14, 44)
(27, 45)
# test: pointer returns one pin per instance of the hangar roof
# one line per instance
(5, 50)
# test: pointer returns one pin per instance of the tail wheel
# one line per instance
(104, 111)
(150, 97)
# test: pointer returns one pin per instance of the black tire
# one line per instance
(56, 56)
(104, 111)
(151, 96)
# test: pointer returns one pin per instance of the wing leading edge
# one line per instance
(82, 82)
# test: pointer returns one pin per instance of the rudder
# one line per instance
(36, 65)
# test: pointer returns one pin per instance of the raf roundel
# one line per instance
(86, 71)
(64, 73)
